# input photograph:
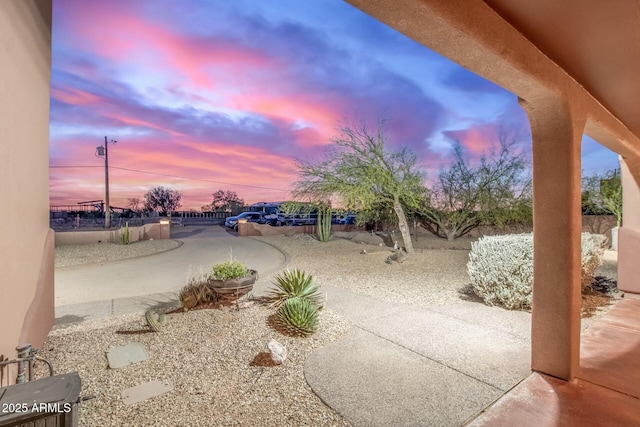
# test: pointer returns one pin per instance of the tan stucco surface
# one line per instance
(474, 35)
(629, 234)
(26, 247)
(595, 43)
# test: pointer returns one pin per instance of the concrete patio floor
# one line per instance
(606, 391)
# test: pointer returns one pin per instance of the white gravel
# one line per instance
(70, 255)
(427, 277)
(206, 355)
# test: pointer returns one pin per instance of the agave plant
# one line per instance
(294, 283)
(299, 316)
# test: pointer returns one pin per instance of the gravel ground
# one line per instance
(207, 356)
(427, 277)
(70, 255)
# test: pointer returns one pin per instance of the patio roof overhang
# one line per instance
(586, 51)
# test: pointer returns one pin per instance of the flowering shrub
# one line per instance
(501, 267)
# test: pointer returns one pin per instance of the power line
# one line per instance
(173, 176)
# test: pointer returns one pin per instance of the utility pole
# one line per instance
(101, 151)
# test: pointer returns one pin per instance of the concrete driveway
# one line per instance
(130, 285)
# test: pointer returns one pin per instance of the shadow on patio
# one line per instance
(606, 391)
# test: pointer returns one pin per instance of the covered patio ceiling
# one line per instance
(596, 42)
(586, 50)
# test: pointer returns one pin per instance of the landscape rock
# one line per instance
(278, 351)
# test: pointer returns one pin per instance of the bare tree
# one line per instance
(496, 191)
(362, 173)
(163, 200)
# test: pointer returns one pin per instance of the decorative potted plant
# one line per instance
(232, 279)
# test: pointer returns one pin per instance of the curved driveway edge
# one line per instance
(131, 282)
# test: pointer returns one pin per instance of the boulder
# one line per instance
(278, 351)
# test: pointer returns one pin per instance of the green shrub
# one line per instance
(294, 283)
(299, 316)
(229, 270)
(501, 267)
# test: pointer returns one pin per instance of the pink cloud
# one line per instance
(321, 119)
(210, 166)
(155, 45)
(74, 96)
(476, 139)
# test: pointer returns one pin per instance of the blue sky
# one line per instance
(209, 95)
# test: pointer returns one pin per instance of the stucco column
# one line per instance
(555, 324)
(629, 233)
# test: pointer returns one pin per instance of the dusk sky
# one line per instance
(209, 95)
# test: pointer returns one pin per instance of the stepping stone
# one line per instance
(126, 355)
(145, 391)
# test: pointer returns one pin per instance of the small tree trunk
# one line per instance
(404, 226)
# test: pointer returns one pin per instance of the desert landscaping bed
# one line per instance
(435, 275)
(214, 359)
(428, 277)
(70, 255)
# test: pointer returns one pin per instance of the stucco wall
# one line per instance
(145, 232)
(26, 251)
(629, 234)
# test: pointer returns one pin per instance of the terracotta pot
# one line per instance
(234, 287)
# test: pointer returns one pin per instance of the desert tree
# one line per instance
(495, 191)
(611, 193)
(224, 201)
(362, 172)
(602, 194)
(162, 199)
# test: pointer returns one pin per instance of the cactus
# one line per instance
(155, 320)
(124, 235)
(298, 316)
(324, 224)
(294, 283)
